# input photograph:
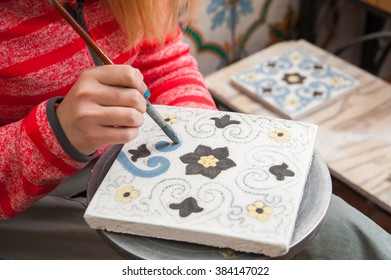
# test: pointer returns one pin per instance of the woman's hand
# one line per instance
(105, 106)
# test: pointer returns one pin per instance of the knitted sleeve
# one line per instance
(32, 162)
(171, 74)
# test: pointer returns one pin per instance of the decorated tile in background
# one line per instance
(294, 83)
(235, 181)
(226, 31)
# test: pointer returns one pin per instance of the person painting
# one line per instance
(47, 138)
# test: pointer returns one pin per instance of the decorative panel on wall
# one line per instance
(228, 30)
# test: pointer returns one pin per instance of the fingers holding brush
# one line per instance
(105, 106)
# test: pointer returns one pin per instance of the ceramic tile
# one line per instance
(294, 83)
(235, 181)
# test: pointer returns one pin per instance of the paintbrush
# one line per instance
(151, 111)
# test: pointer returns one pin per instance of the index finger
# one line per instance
(121, 76)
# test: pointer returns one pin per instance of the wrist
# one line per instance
(51, 111)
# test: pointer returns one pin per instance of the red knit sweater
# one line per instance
(41, 57)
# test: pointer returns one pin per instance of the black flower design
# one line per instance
(186, 207)
(224, 121)
(280, 171)
(141, 152)
(317, 93)
(318, 67)
(293, 78)
(267, 90)
(271, 64)
(207, 162)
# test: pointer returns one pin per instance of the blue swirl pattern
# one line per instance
(164, 146)
(161, 163)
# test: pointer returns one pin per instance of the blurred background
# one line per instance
(357, 30)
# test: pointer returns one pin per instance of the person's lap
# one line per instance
(347, 234)
(54, 228)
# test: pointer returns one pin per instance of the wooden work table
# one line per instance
(384, 5)
(354, 135)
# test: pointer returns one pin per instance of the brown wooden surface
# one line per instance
(384, 5)
(354, 134)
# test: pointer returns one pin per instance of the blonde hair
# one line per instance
(152, 20)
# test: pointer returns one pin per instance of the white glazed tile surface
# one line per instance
(143, 197)
(294, 83)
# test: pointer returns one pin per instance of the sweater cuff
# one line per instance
(60, 134)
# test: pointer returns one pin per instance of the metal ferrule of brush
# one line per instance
(154, 114)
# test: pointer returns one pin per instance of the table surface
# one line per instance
(354, 135)
(383, 5)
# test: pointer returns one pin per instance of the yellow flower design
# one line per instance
(280, 135)
(259, 211)
(208, 161)
(251, 76)
(126, 194)
(170, 118)
(292, 102)
(293, 78)
(295, 57)
(336, 81)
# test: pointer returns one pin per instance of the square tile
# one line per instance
(293, 83)
(235, 181)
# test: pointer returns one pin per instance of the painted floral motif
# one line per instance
(281, 171)
(291, 102)
(267, 90)
(259, 211)
(293, 78)
(186, 207)
(280, 135)
(229, 11)
(228, 14)
(170, 118)
(295, 57)
(317, 93)
(318, 67)
(141, 152)
(271, 64)
(224, 121)
(126, 194)
(336, 81)
(251, 76)
(207, 161)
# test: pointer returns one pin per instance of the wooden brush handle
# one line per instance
(83, 34)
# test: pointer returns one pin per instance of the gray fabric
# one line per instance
(54, 228)
(74, 185)
(347, 234)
